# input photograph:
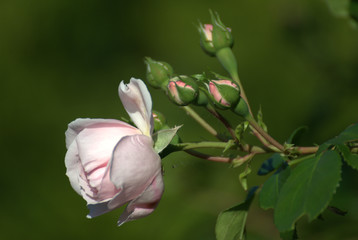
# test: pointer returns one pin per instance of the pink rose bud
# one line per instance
(182, 90)
(215, 36)
(206, 38)
(111, 163)
(224, 93)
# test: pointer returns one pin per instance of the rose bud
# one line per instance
(182, 90)
(111, 163)
(159, 121)
(224, 93)
(221, 35)
(215, 36)
(206, 38)
(158, 73)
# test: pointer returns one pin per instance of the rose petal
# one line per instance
(137, 101)
(76, 126)
(88, 156)
(73, 166)
(133, 166)
(146, 203)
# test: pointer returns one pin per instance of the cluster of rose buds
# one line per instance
(199, 89)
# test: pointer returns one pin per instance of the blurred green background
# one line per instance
(62, 59)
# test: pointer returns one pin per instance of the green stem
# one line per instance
(187, 146)
(221, 118)
(298, 160)
(264, 134)
(222, 145)
(202, 122)
(208, 157)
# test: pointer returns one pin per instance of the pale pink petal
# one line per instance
(133, 167)
(73, 166)
(76, 126)
(137, 101)
(146, 203)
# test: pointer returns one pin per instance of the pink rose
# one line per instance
(111, 163)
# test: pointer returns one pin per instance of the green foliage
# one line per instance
(295, 135)
(240, 130)
(230, 224)
(271, 189)
(350, 158)
(308, 189)
(163, 137)
(271, 164)
(243, 176)
(348, 135)
(260, 120)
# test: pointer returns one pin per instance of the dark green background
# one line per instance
(62, 59)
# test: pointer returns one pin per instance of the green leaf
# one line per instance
(271, 189)
(294, 137)
(243, 177)
(240, 129)
(348, 135)
(271, 164)
(308, 189)
(260, 120)
(229, 144)
(350, 158)
(230, 224)
(163, 137)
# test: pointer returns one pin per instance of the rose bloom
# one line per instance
(111, 163)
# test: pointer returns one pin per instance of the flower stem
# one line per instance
(202, 122)
(264, 134)
(216, 114)
(298, 160)
(208, 157)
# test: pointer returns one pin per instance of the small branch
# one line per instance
(305, 150)
(298, 160)
(245, 148)
(187, 146)
(208, 157)
(222, 119)
(264, 134)
(202, 122)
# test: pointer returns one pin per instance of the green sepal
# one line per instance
(260, 120)
(221, 35)
(163, 137)
(242, 109)
(243, 176)
(240, 130)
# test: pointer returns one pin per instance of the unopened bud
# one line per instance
(182, 90)
(215, 36)
(221, 35)
(206, 38)
(224, 93)
(158, 73)
(159, 120)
